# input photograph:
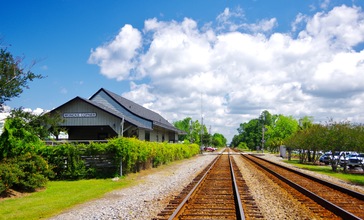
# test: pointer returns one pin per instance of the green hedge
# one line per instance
(68, 160)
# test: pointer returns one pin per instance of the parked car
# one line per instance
(337, 155)
(325, 158)
(356, 160)
(211, 149)
(344, 157)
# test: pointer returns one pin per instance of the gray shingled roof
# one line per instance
(116, 113)
(141, 111)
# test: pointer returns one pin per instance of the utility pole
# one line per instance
(201, 131)
(201, 141)
(210, 136)
(263, 130)
(191, 131)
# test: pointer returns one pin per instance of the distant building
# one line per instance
(106, 115)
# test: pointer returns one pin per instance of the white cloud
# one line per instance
(116, 58)
(342, 27)
(325, 4)
(36, 111)
(237, 70)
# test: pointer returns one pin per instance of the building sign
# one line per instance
(79, 115)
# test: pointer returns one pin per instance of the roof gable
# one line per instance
(137, 109)
(105, 109)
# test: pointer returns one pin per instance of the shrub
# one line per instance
(66, 161)
(24, 173)
(34, 172)
(17, 139)
(9, 174)
(243, 146)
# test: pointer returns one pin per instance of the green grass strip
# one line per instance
(59, 196)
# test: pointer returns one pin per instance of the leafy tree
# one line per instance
(236, 140)
(283, 127)
(306, 122)
(309, 141)
(13, 77)
(339, 137)
(250, 133)
(39, 125)
(17, 139)
(194, 131)
(218, 140)
(184, 125)
(265, 118)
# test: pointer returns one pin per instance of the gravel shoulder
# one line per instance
(144, 200)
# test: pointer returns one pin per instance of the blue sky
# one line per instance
(291, 57)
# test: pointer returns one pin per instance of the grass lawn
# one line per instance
(62, 195)
(357, 179)
(58, 196)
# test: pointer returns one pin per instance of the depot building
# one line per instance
(106, 115)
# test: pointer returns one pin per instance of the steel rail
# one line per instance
(185, 200)
(323, 202)
(334, 186)
(238, 205)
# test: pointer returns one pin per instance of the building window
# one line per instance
(147, 136)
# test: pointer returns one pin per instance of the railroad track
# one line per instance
(326, 200)
(218, 192)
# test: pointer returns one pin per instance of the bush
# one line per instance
(243, 146)
(16, 139)
(34, 172)
(24, 173)
(9, 175)
(66, 161)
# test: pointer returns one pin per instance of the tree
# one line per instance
(265, 118)
(339, 138)
(283, 127)
(194, 131)
(40, 125)
(305, 122)
(218, 140)
(250, 133)
(184, 125)
(13, 77)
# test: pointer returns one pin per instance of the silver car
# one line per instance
(356, 160)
